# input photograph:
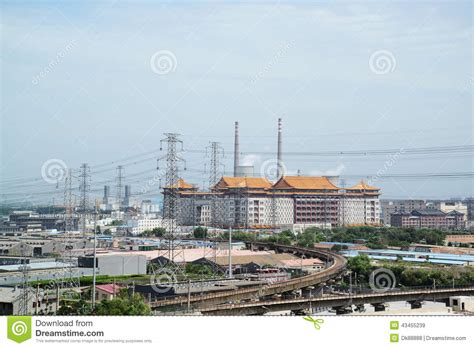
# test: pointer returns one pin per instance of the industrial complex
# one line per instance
(247, 244)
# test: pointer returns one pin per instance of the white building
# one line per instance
(447, 207)
(293, 201)
(137, 226)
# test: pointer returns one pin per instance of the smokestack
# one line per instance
(106, 194)
(126, 200)
(279, 154)
(236, 149)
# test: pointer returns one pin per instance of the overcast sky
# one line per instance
(99, 81)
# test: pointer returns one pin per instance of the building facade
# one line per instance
(398, 206)
(292, 202)
(430, 218)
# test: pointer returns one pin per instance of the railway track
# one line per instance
(336, 265)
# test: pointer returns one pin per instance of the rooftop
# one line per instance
(109, 288)
(243, 182)
(305, 183)
(363, 187)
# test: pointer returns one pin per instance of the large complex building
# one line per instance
(292, 202)
(430, 218)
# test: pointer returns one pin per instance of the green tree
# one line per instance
(123, 304)
(361, 265)
(311, 236)
(200, 232)
(197, 269)
(79, 307)
(158, 231)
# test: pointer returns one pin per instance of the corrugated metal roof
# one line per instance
(33, 266)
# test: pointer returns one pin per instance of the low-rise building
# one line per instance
(139, 225)
(115, 264)
(459, 239)
(462, 303)
(106, 291)
(11, 302)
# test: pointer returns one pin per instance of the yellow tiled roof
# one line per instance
(182, 185)
(363, 186)
(305, 183)
(243, 182)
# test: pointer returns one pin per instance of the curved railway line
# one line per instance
(336, 266)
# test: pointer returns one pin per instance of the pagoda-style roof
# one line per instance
(362, 186)
(305, 183)
(227, 182)
(182, 185)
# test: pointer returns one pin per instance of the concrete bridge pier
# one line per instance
(379, 307)
(343, 310)
(299, 312)
(290, 295)
(311, 291)
(415, 304)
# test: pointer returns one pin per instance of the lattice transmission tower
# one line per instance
(216, 152)
(171, 209)
(84, 188)
(26, 293)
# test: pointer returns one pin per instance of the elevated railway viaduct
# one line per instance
(336, 265)
(415, 297)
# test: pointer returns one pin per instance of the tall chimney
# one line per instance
(236, 149)
(106, 194)
(279, 154)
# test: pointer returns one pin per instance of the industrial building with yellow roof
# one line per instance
(294, 202)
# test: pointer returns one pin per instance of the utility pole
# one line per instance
(84, 197)
(189, 296)
(95, 257)
(230, 253)
(68, 203)
(273, 209)
(343, 203)
(119, 187)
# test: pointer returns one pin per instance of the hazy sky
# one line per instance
(89, 82)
